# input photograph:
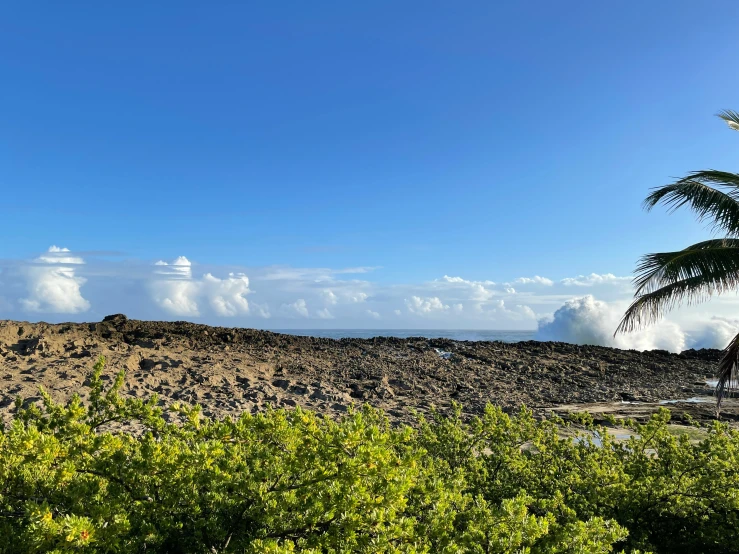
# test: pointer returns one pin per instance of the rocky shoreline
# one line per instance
(229, 370)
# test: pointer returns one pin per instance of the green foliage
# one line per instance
(119, 475)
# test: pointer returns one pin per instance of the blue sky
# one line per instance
(485, 141)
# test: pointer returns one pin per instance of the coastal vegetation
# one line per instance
(124, 475)
(696, 273)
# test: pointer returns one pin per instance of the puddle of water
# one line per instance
(597, 439)
(693, 400)
(713, 383)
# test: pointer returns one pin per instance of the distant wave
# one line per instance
(586, 320)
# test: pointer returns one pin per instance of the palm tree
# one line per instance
(665, 280)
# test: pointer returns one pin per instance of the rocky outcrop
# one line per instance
(229, 370)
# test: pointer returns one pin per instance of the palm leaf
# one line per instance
(708, 202)
(718, 258)
(725, 179)
(649, 307)
(728, 370)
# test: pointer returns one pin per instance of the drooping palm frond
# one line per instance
(649, 307)
(728, 372)
(731, 118)
(724, 179)
(718, 258)
(709, 203)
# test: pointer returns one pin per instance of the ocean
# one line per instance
(456, 334)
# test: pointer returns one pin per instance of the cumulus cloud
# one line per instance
(227, 296)
(348, 293)
(299, 307)
(181, 267)
(329, 296)
(535, 280)
(477, 291)
(525, 311)
(56, 255)
(262, 310)
(175, 291)
(61, 281)
(358, 297)
(419, 305)
(465, 281)
(517, 313)
(595, 279)
(176, 297)
(52, 284)
(324, 314)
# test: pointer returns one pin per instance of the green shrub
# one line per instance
(115, 475)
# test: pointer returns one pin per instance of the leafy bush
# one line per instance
(116, 475)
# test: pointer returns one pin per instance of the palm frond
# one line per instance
(649, 307)
(714, 176)
(708, 202)
(731, 118)
(728, 372)
(718, 258)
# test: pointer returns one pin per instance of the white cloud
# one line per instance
(347, 294)
(52, 286)
(419, 305)
(227, 296)
(465, 281)
(525, 311)
(262, 310)
(535, 280)
(358, 297)
(329, 296)
(176, 297)
(61, 281)
(595, 279)
(324, 314)
(299, 307)
(175, 291)
(477, 291)
(56, 255)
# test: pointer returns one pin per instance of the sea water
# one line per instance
(455, 334)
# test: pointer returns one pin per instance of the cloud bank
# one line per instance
(176, 291)
(60, 284)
